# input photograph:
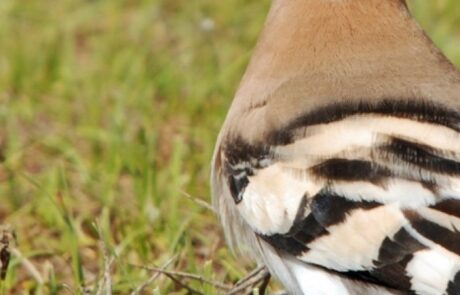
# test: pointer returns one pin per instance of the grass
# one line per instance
(108, 112)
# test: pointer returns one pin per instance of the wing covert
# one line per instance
(367, 196)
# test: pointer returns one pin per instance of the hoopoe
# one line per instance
(338, 165)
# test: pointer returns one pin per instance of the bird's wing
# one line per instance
(367, 191)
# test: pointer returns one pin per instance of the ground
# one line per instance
(108, 115)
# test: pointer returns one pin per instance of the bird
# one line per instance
(338, 163)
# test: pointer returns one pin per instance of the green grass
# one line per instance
(108, 111)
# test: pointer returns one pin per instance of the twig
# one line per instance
(108, 260)
(190, 290)
(154, 276)
(198, 201)
(186, 275)
(256, 277)
(250, 275)
(28, 265)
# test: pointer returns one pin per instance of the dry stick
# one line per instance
(186, 275)
(108, 260)
(249, 283)
(172, 277)
(28, 265)
(198, 201)
(154, 276)
(259, 275)
(190, 290)
(250, 275)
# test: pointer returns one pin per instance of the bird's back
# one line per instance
(339, 161)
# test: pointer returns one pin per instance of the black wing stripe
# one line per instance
(351, 170)
(377, 172)
(450, 206)
(421, 111)
(395, 275)
(237, 150)
(297, 239)
(326, 210)
(330, 209)
(285, 243)
(397, 248)
(453, 288)
(435, 232)
(308, 230)
(422, 156)
(303, 231)
(365, 276)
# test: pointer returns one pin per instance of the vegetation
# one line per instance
(108, 115)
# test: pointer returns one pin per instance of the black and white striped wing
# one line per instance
(367, 192)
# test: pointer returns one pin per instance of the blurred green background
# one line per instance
(108, 113)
